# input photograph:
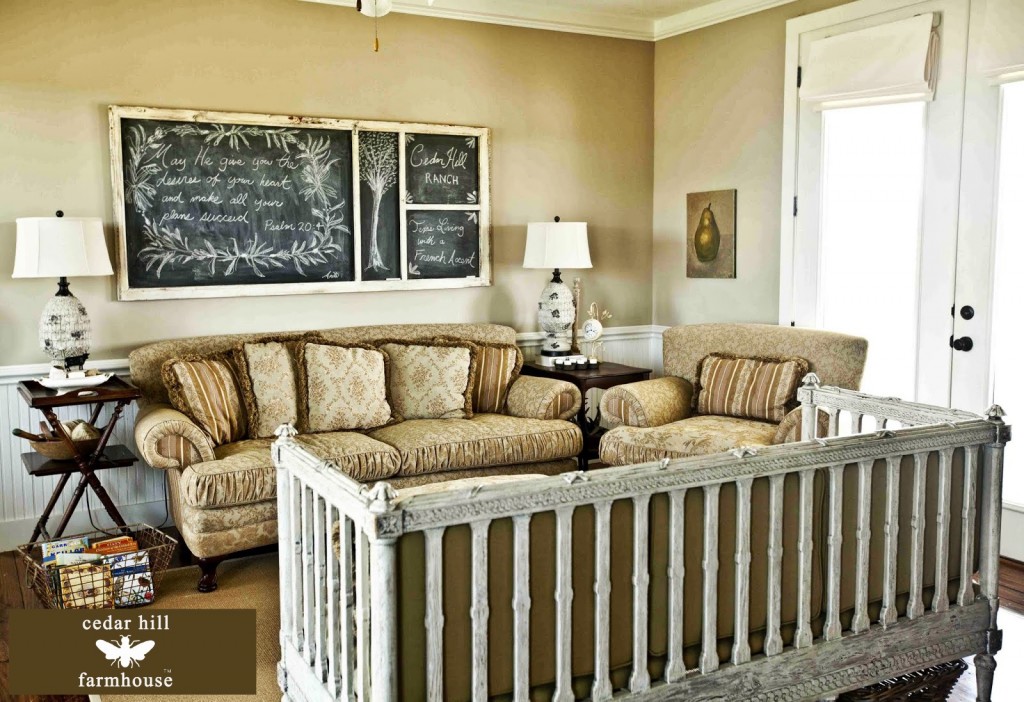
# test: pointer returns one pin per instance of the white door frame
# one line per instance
(941, 184)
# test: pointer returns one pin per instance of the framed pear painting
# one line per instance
(711, 234)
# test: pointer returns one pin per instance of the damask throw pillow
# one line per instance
(431, 379)
(269, 384)
(497, 367)
(748, 387)
(345, 387)
(207, 390)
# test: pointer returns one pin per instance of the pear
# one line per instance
(707, 238)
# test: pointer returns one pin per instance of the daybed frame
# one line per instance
(339, 611)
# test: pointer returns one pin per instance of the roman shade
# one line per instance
(887, 63)
(1003, 56)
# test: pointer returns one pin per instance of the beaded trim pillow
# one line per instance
(343, 387)
(269, 384)
(749, 388)
(207, 389)
(431, 379)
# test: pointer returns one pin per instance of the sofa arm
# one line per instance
(648, 403)
(531, 397)
(169, 439)
(791, 427)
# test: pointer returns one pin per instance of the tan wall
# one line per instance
(572, 136)
(718, 125)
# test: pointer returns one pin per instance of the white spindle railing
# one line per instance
(339, 614)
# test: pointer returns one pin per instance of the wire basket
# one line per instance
(114, 580)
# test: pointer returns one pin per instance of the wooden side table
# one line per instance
(117, 391)
(606, 375)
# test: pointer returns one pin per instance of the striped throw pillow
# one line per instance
(207, 390)
(497, 365)
(748, 387)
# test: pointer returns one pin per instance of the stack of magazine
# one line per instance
(95, 572)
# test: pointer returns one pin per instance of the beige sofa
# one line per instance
(655, 419)
(223, 498)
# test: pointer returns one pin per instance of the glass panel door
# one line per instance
(875, 235)
(1007, 329)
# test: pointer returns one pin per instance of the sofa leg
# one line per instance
(985, 668)
(208, 579)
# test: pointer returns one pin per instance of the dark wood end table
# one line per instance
(117, 391)
(606, 375)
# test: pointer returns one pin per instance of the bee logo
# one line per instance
(127, 653)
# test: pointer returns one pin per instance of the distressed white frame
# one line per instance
(812, 668)
(483, 205)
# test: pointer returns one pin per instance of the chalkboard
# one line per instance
(442, 169)
(231, 204)
(443, 243)
(227, 204)
(378, 182)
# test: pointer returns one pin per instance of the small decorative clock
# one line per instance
(593, 328)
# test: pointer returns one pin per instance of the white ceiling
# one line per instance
(648, 20)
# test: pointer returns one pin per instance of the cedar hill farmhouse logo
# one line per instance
(126, 652)
(146, 653)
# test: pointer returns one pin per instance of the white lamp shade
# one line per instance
(52, 247)
(376, 8)
(557, 245)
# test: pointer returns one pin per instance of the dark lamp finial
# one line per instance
(60, 213)
(557, 218)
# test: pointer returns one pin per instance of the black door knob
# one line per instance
(967, 312)
(964, 343)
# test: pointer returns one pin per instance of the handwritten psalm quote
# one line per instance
(217, 204)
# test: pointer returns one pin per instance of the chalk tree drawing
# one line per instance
(378, 168)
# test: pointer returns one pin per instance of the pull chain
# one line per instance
(376, 40)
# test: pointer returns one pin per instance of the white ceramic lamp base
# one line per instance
(555, 314)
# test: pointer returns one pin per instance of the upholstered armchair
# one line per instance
(761, 365)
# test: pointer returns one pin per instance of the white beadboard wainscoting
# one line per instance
(138, 491)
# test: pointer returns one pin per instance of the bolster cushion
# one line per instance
(648, 403)
(169, 439)
(531, 397)
(791, 427)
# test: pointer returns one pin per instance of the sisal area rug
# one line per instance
(245, 583)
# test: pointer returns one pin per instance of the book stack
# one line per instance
(99, 572)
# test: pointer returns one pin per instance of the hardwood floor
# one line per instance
(1009, 679)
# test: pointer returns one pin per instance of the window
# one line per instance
(1008, 331)
(872, 175)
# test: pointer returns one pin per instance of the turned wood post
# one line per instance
(808, 407)
(383, 529)
(288, 545)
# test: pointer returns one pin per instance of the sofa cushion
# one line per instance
(749, 387)
(437, 445)
(343, 387)
(431, 380)
(695, 436)
(244, 471)
(206, 389)
(269, 386)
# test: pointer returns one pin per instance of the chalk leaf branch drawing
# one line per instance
(166, 246)
(378, 167)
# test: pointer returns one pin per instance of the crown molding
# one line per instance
(520, 14)
(577, 20)
(707, 15)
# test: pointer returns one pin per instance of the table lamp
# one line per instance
(556, 245)
(62, 247)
